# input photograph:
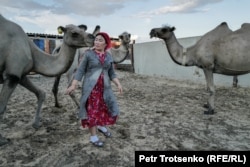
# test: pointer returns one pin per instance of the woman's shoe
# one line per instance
(107, 134)
(98, 143)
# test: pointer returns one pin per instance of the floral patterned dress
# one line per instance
(96, 108)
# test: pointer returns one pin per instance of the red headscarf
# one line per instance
(106, 38)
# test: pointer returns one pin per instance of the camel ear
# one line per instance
(172, 29)
(96, 30)
(97, 27)
(82, 26)
(60, 29)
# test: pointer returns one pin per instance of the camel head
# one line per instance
(125, 37)
(163, 32)
(76, 36)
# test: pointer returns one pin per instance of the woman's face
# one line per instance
(99, 43)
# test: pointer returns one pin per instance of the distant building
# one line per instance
(46, 42)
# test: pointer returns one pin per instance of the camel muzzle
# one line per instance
(153, 33)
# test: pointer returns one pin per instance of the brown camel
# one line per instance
(220, 51)
(119, 54)
(19, 56)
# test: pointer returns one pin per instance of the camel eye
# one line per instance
(75, 34)
(164, 30)
(91, 36)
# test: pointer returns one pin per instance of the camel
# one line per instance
(220, 51)
(119, 54)
(19, 56)
(71, 70)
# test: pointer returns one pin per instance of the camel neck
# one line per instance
(175, 50)
(49, 65)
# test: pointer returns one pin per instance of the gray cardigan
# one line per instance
(90, 68)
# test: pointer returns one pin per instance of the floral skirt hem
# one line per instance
(87, 123)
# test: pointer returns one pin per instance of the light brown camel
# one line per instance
(71, 70)
(220, 51)
(119, 54)
(19, 56)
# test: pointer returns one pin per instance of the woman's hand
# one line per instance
(119, 86)
(72, 87)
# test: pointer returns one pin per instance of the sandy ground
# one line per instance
(156, 114)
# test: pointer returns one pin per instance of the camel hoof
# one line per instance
(36, 125)
(206, 106)
(209, 112)
(1, 116)
(2, 112)
(58, 106)
(3, 140)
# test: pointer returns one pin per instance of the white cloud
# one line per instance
(46, 21)
(94, 8)
(44, 14)
(178, 6)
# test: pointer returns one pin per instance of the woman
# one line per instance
(98, 106)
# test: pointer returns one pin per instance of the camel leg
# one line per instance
(25, 82)
(206, 77)
(235, 81)
(55, 90)
(70, 76)
(1, 79)
(211, 90)
(75, 100)
(9, 86)
(207, 89)
(73, 97)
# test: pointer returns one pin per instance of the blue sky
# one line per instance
(138, 17)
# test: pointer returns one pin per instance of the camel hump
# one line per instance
(223, 23)
(245, 25)
(222, 28)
